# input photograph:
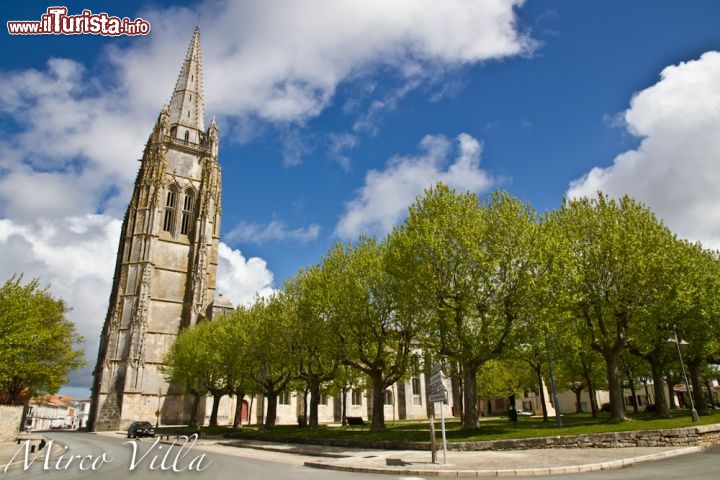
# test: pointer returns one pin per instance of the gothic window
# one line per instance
(187, 213)
(170, 206)
(173, 131)
(187, 133)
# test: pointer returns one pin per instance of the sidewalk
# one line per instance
(466, 464)
(418, 463)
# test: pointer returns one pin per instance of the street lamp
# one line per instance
(693, 412)
(157, 412)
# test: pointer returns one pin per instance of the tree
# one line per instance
(268, 322)
(374, 333)
(37, 342)
(190, 362)
(608, 260)
(469, 270)
(314, 345)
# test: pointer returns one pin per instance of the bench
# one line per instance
(355, 421)
(166, 433)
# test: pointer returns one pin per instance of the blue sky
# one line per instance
(334, 115)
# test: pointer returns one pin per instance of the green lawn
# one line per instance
(490, 428)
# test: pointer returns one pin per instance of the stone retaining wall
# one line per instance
(703, 436)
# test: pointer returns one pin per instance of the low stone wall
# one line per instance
(703, 436)
(10, 418)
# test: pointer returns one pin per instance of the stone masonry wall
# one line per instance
(10, 417)
(703, 436)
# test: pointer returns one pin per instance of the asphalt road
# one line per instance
(115, 458)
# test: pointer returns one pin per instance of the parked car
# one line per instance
(140, 429)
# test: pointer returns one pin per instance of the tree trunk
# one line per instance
(314, 388)
(541, 390)
(377, 423)
(237, 420)
(271, 414)
(617, 407)
(590, 387)
(215, 407)
(633, 394)
(457, 390)
(471, 420)
(711, 396)
(661, 405)
(669, 379)
(578, 398)
(343, 414)
(194, 410)
(697, 388)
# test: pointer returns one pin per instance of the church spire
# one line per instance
(187, 106)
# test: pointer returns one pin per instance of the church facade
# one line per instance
(166, 261)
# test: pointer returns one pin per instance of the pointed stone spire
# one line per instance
(187, 107)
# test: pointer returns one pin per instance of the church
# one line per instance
(166, 263)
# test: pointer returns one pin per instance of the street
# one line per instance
(115, 457)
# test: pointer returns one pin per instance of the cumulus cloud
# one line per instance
(75, 258)
(384, 198)
(674, 168)
(246, 232)
(240, 279)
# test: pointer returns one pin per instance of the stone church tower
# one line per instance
(166, 261)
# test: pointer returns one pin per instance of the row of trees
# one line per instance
(486, 286)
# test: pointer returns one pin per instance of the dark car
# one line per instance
(140, 429)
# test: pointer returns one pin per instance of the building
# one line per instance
(52, 412)
(166, 261)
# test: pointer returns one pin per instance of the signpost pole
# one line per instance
(433, 441)
(442, 423)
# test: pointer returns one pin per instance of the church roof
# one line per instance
(187, 106)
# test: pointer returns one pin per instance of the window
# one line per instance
(416, 385)
(170, 206)
(284, 398)
(187, 213)
(187, 132)
(356, 397)
(388, 397)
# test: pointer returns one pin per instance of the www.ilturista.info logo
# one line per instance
(57, 22)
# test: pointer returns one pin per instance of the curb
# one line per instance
(523, 472)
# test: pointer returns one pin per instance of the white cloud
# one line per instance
(75, 256)
(383, 201)
(273, 231)
(338, 145)
(240, 279)
(674, 170)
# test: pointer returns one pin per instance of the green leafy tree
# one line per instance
(700, 327)
(37, 343)
(375, 334)
(609, 257)
(314, 346)
(468, 269)
(189, 363)
(269, 354)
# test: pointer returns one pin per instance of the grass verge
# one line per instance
(493, 428)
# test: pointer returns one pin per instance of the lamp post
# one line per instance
(157, 412)
(693, 412)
